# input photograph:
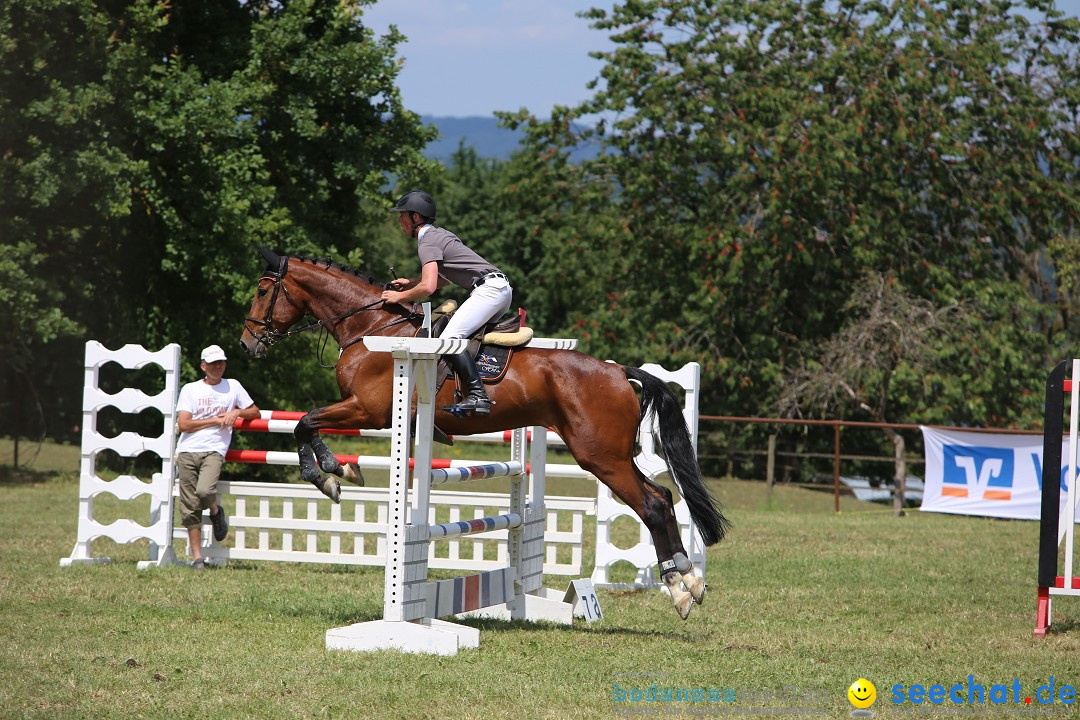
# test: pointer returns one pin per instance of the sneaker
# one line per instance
(220, 523)
(198, 565)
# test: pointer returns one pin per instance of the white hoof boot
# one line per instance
(695, 585)
(682, 599)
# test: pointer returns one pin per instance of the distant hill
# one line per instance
(484, 135)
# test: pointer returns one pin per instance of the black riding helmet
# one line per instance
(416, 201)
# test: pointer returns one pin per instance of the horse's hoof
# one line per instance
(331, 488)
(351, 472)
(682, 599)
(695, 585)
(684, 604)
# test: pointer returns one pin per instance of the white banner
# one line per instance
(986, 474)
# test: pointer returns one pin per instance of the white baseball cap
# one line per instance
(212, 354)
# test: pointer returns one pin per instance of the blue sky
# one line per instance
(472, 57)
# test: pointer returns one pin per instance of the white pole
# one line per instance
(394, 595)
(517, 506)
(1070, 519)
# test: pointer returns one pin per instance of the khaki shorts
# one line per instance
(199, 473)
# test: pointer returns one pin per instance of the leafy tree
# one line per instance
(147, 145)
(763, 156)
(563, 227)
(1062, 289)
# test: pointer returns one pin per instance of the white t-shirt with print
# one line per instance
(206, 401)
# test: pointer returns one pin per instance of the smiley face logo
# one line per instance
(862, 693)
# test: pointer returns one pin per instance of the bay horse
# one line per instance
(591, 404)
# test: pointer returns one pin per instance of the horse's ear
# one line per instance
(272, 258)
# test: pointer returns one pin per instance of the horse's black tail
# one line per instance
(678, 450)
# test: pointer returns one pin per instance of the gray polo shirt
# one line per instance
(457, 263)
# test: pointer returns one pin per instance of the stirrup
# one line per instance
(470, 405)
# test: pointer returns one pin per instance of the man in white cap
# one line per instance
(205, 413)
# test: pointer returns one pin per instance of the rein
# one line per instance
(272, 336)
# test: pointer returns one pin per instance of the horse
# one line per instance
(591, 404)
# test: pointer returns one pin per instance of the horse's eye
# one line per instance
(262, 292)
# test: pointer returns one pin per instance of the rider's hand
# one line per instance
(393, 296)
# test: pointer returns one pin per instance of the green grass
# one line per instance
(798, 595)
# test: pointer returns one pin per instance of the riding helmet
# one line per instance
(416, 201)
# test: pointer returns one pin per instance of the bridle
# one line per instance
(270, 336)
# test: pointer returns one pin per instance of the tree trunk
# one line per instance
(899, 494)
(770, 464)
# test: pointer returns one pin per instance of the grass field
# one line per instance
(798, 596)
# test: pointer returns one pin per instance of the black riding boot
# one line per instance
(475, 400)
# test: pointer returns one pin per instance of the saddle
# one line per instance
(492, 346)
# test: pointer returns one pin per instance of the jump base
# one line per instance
(427, 636)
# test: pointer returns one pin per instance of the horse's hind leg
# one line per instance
(600, 434)
(653, 504)
(678, 568)
(656, 510)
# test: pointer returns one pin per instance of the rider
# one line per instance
(445, 259)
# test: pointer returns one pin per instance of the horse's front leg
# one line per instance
(306, 439)
(314, 454)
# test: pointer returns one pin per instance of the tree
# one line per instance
(885, 352)
(146, 146)
(761, 157)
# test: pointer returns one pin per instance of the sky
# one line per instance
(472, 57)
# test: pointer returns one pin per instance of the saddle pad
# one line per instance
(492, 362)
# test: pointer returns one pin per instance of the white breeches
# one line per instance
(486, 302)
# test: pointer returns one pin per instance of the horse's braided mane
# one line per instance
(328, 263)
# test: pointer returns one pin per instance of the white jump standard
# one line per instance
(411, 603)
(127, 444)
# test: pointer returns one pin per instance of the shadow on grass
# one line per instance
(316, 568)
(1063, 628)
(495, 624)
(14, 476)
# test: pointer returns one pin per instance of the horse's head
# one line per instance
(273, 310)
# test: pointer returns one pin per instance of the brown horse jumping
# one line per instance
(589, 403)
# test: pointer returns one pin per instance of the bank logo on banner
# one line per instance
(974, 472)
(1036, 460)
